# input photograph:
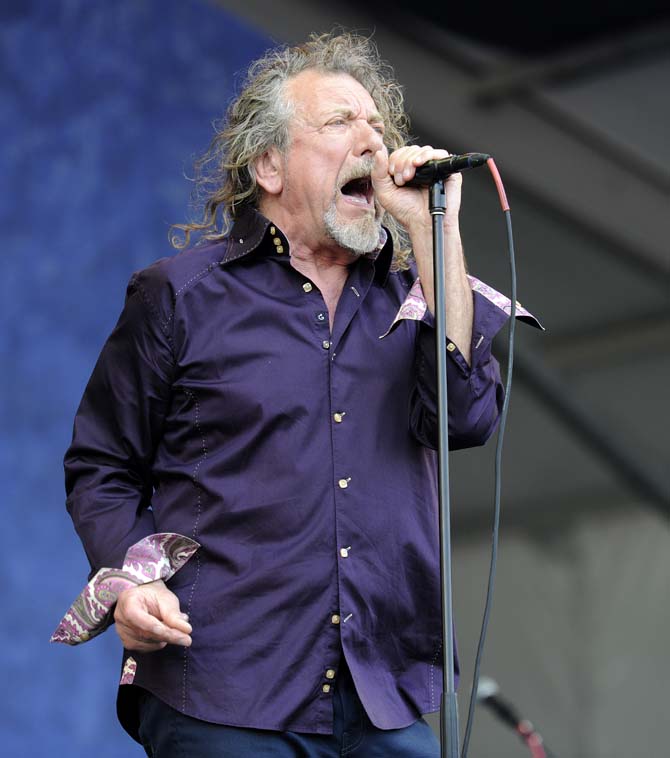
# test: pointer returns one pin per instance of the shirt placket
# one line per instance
(352, 297)
(317, 314)
(343, 424)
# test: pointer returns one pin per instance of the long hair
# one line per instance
(259, 118)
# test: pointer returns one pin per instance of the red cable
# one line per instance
(499, 185)
(532, 739)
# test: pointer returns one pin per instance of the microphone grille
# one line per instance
(486, 688)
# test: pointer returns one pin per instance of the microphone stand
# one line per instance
(449, 741)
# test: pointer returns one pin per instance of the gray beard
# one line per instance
(358, 237)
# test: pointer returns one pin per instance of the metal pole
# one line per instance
(449, 741)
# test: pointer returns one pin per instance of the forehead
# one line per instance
(315, 94)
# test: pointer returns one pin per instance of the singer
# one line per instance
(269, 393)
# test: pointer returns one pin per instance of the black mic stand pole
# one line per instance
(449, 742)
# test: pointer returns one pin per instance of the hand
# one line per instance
(409, 205)
(148, 618)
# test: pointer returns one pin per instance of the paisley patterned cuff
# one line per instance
(158, 556)
(414, 306)
(503, 302)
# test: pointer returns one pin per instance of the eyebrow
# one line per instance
(373, 118)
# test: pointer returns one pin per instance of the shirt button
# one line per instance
(325, 344)
(280, 249)
(343, 483)
(330, 674)
(335, 618)
(273, 230)
(338, 417)
(307, 287)
(321, 316)
(277, 241)
(451, 347)
(326, 688)
(344, 552)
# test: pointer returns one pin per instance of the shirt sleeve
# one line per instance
(475, 392)
(116, 431)
(158, 556)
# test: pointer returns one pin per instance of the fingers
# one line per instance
(403, 162)
(139, 630)
(133, 639)
(148, 618)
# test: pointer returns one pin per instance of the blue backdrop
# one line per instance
(103, 106)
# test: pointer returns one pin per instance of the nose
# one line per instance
(368, 139)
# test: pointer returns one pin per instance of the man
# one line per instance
(270, 395)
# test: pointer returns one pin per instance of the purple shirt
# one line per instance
(223, 409)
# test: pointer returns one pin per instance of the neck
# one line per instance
(322, 260)
(328, 273)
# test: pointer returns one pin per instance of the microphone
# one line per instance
(433, 171)
(487, 693)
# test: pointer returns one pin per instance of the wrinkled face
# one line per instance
(334, 134)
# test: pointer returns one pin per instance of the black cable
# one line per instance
(498, 466)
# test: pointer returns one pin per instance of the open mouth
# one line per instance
(359, 191)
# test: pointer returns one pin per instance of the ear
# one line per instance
(269, 171)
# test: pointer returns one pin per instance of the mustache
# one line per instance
(361, 170)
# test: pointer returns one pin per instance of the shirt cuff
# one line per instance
(158, 556)
(415, 308)
(503, 302)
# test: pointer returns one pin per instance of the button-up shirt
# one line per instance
(223, 408)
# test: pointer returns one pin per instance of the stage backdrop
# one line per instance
(102, 108)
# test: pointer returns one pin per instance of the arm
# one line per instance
(475, 391)
(116, 431)
(108, 470)
(409, 206)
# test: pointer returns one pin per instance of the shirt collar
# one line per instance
(252, 230)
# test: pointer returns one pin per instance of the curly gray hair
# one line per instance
(259, 118)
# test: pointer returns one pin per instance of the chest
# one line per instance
(279, 342)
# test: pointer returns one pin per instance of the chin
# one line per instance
(358, 236)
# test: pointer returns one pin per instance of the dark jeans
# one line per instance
(166, 733)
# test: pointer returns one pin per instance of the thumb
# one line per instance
(385, 188)
(380, 170)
